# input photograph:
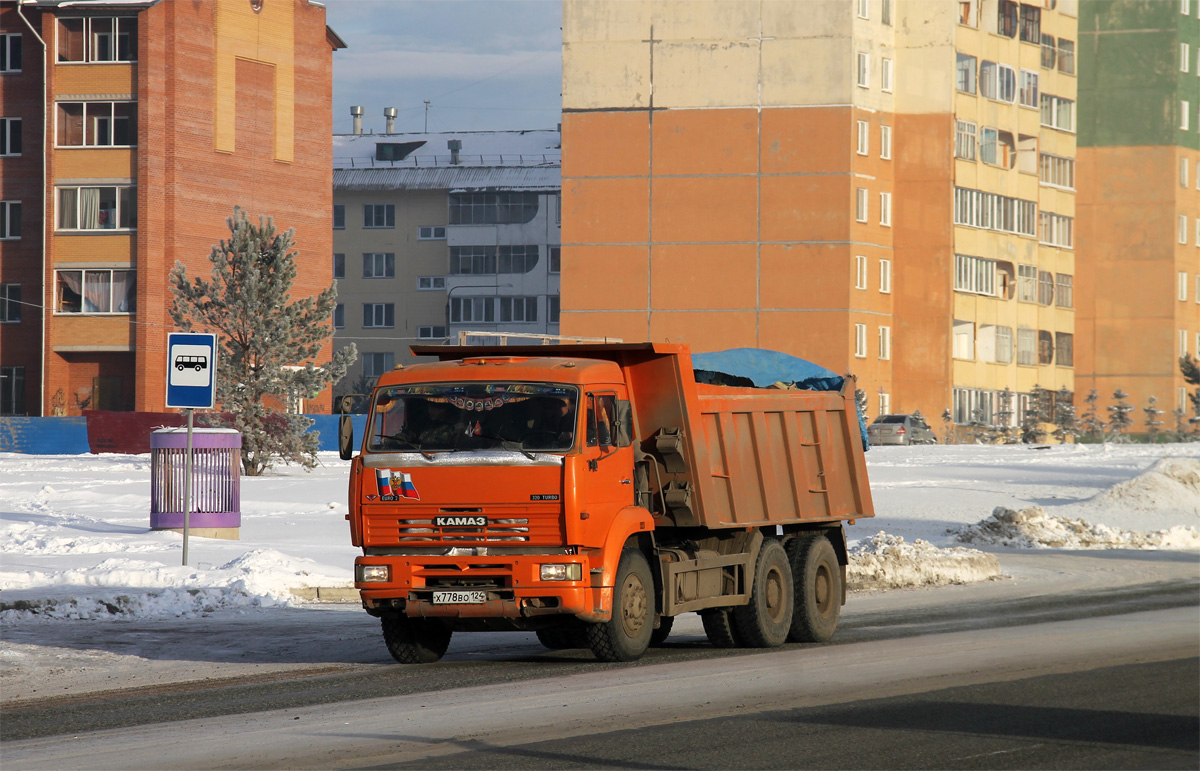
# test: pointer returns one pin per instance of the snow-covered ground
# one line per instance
(76, 551)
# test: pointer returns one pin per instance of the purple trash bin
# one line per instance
(216, 481)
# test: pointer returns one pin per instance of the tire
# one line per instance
(414, 640)
(626, 635)
(818, 579)
(719, 628)
(179, 367)
(660, 635)
(766, 621)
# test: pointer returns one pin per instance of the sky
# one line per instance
(490, 65)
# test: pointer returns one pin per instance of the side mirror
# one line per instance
(345, 436)
(624, 423)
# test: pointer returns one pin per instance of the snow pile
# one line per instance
(887, 562)
(1171, 483)
(1033, 528)
(132, 588)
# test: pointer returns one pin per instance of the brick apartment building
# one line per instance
(881, 186)
(130, 131)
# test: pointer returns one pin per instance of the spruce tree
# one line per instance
(268, 342)
(1119, 419)
(1035, 413)
(1152, 422)
(948, 425)
(1003, 429)
(1092, 425)
(1190, 368)
(1066, 428)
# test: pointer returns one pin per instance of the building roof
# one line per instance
(530, 178)
(476, 148)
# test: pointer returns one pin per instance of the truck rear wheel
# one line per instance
(719, 628)
(818, 588)
(767, 619)
(626, 635)
(660, 635)
(415, 640)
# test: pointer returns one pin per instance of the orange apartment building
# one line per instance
(131, 130)
(878, 186)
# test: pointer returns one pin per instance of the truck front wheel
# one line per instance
(818, 588)
(415, 640)
(626, 635)
(765, 621)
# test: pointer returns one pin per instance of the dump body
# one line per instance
(472, 515)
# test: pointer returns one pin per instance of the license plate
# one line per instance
(459, 598)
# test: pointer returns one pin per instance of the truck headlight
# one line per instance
(372, 573)
(571, 571)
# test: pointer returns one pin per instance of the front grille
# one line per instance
(514, 529)
(413, 528)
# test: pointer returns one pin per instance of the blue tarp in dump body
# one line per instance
(764, 368)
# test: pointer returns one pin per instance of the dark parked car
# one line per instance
(900, 429)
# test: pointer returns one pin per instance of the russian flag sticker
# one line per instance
(407, 488)
(383, 476)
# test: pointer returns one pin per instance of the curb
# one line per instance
(326, 593)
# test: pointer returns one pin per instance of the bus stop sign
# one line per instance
(191, 370)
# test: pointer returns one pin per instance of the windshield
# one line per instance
(473, 416)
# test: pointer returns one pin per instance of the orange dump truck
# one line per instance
(591, 493)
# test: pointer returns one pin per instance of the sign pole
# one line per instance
(187, 488)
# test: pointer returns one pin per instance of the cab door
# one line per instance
(608, 469)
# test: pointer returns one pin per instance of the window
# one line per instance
(379, 265)
(339, 266)
(1055, 230)
(472, 309)
(886, 73)
(10, 219)
(97, 39)
(1007, 19)
(997, 147)
(1027, 347)
(431, 233)
(1029, 89)
(12, 390)
(375, 364)
(1197, 292)
(96, 124)
(379, 215)
(1066, 56)
(1198, 231)
(864, 70)
(860, 272)
(860, 341)
(990, 211)
(431, 333)
(885, 342)
(1006, 84)
(492, 208)
(10, 303)
(861, 205)
(339, 216)
(987, 79)
(1183, 172)
(518, 309)
(1183, 228)
(964, 140)
(1056, 171)
(1064, 290)
(1048, 51)
(1004, 345)
(1045, 347)
(339, 316)
(1183, 287)
(1185, 57)
(1058, 113)
(1183, 338)
(490, 260)
(1045, 288)
(1031, 24)
(968, 13)
(864, 8)
(10, 52)
(964, 74)
(552, 308)
(885, 403)
(96, 291)
(10, 136)
(864, 137)
(379, 315)
(555, 259)
(885, 209)
(1027, 283)
(885, 276)
(973, 404)
(885, 142)
(1185, 7)
(1185, 112)
(964, 339)
(431, 283)
(886, 13)
(97, 208)
(976, 275)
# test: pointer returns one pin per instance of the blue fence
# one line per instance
(69, 436)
